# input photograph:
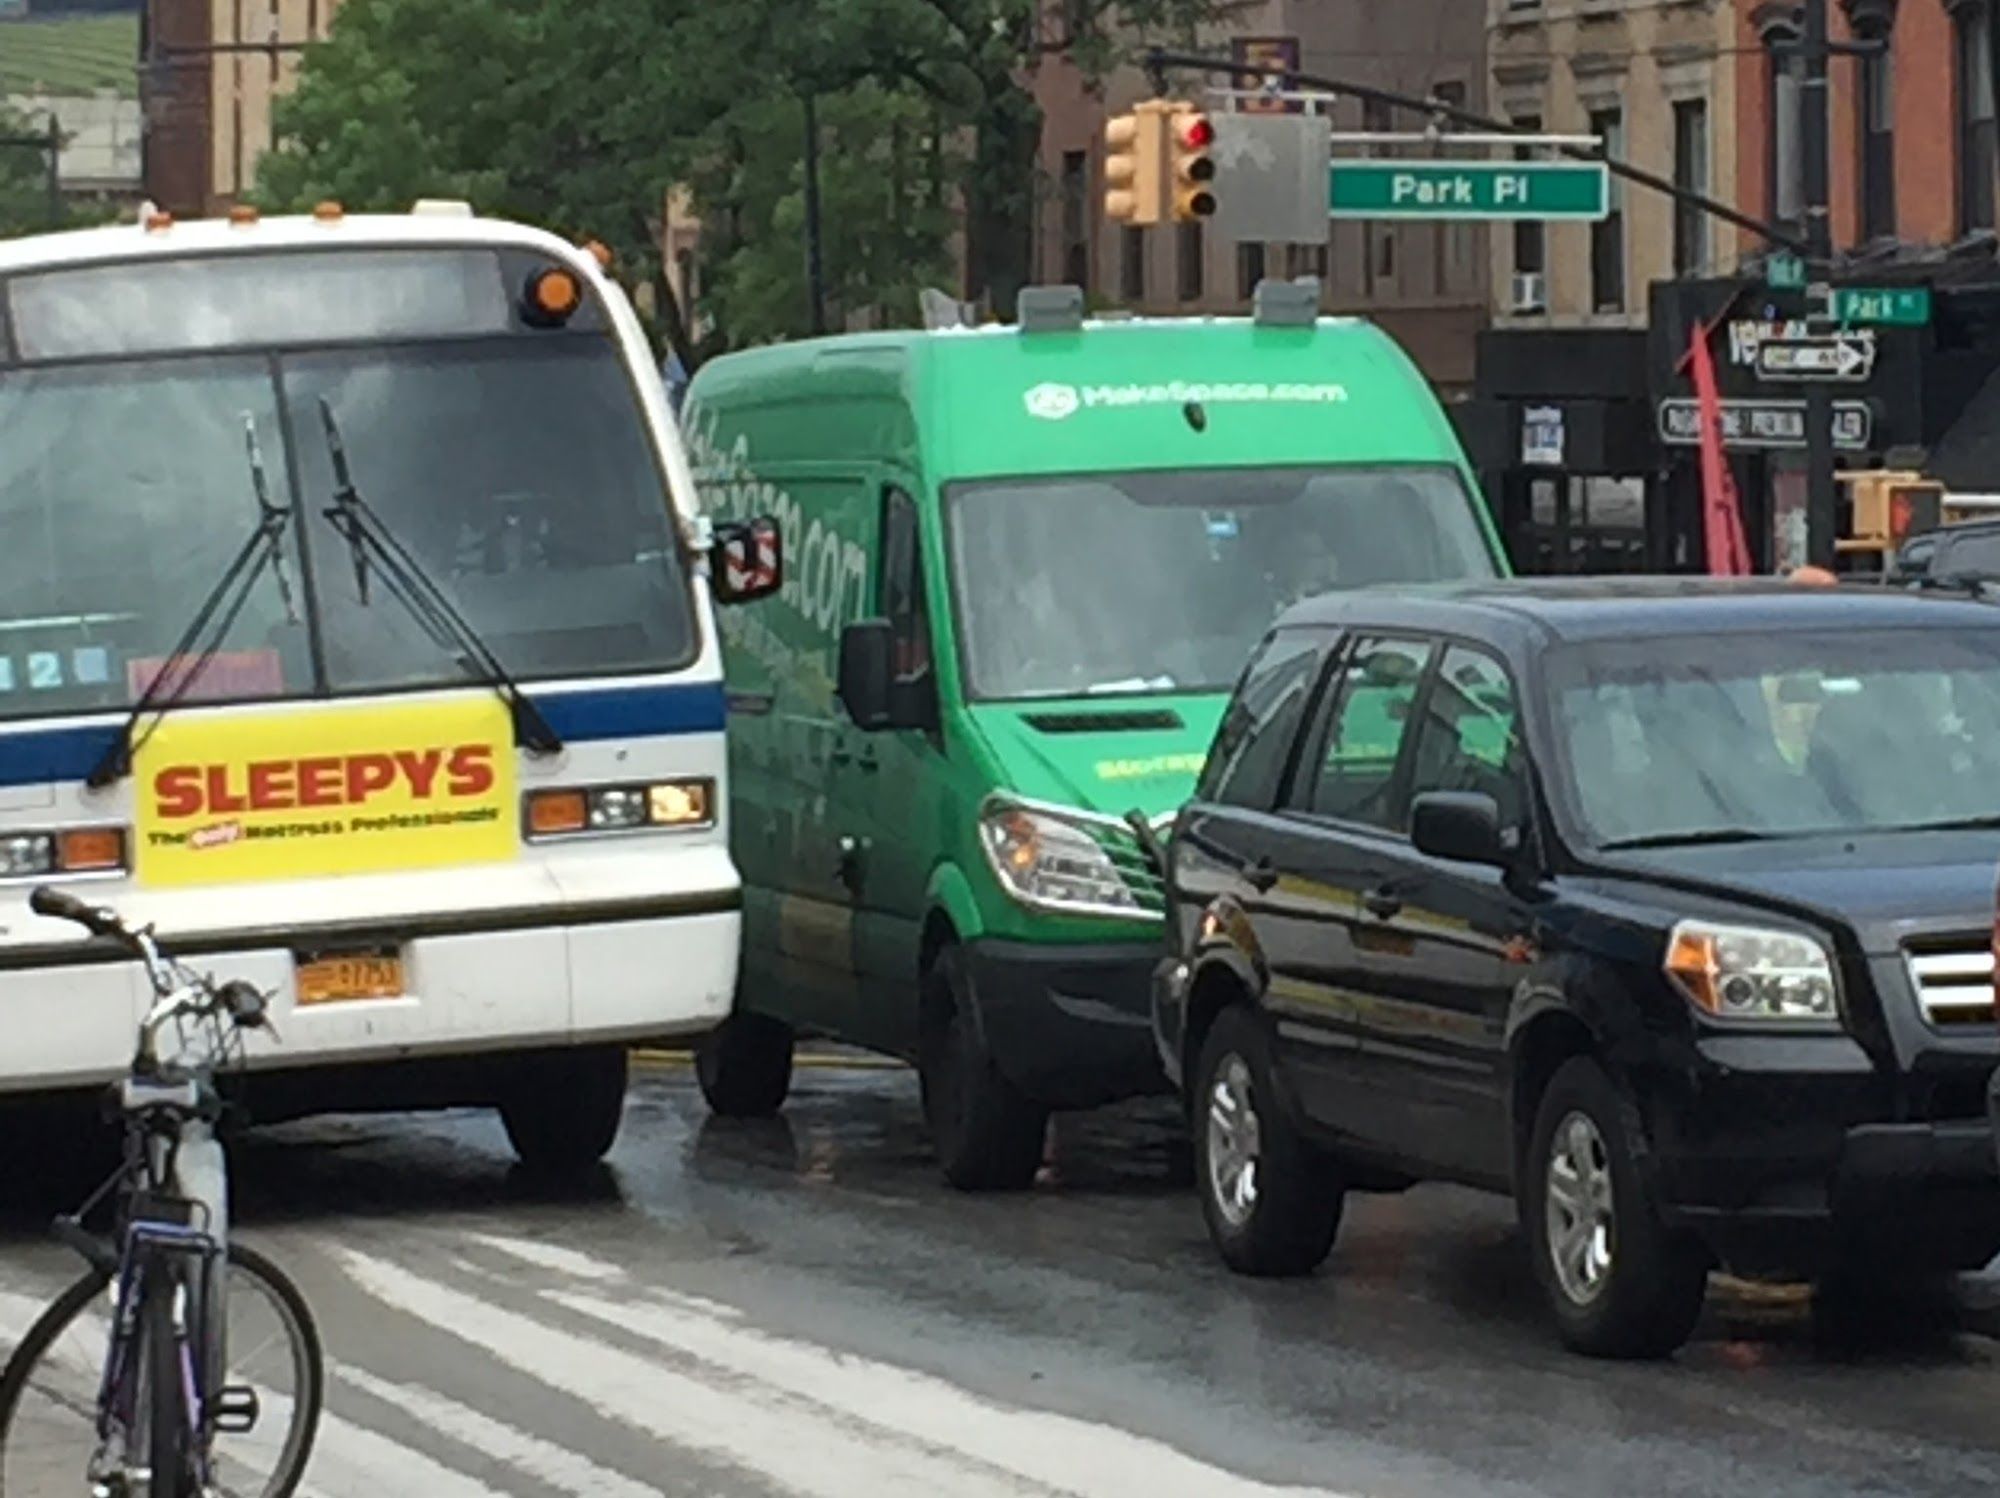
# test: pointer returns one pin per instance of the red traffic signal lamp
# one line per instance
(1191, 169)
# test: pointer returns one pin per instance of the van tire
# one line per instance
(1646, 1297)
(1283, 1222)
(987, 1133)
(563, 1110)
(744, 1066)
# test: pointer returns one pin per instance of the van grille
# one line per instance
(1954, 982)
(1158, 720)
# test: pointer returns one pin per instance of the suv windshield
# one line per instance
(518, 473)
(1742, 736)
(1157, 582)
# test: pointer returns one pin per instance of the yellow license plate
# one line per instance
(337, 980)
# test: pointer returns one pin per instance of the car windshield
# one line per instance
(1747, 736)
(518, 474)
(1158, 582)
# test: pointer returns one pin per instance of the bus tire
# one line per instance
(562, 1113)
(744, 1066)
(988, 1135)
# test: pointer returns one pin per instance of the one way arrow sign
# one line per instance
(1834, 356)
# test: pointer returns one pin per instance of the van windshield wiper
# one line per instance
(1695, 838)
(202, 639)
(403, 577)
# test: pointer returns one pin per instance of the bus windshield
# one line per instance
(1129, 583)
(516, 469)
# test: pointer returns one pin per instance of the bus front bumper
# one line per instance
(473, 982)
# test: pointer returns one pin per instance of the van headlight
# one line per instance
(1051, 863)
(1753, 976)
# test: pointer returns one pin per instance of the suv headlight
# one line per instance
(1750, 975)
(1050, 863)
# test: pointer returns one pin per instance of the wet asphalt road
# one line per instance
(802, 1308)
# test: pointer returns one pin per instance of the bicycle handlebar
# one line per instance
(63, 906)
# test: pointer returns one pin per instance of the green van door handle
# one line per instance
(867, 761)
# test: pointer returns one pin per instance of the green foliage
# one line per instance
(24, 176)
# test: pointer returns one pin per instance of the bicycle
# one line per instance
(169, 1400)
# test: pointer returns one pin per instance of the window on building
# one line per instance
(1249, 269)
(1607, 235)
(1875, 123)
(1453, 269)
(1531, 236)
(1978, 127)
(1193, 247)
(1076, 218)
(1378, 239)
(1306, 260)
(1690, 175)
(1132, 263)
(1785, 175)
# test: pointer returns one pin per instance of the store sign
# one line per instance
(1280, 52)
(1542, 437)
(1750, 425)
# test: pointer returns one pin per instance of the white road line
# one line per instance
(579, 1266)
(757, 1430)
(1060, 1452)
(556, 1466)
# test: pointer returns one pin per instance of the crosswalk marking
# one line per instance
(554, 1256)
(562, 1469)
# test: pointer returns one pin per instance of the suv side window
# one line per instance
(1254, 742)
(902, 584)
(1370, 700)
(1470, 737)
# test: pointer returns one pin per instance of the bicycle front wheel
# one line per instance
(48, 1392)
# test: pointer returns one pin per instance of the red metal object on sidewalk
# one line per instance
(1722, 517)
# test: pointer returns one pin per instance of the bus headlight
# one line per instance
(68, 850)
(660, 805)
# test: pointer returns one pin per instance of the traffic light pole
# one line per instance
(1822, 497)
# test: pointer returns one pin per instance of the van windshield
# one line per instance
(1162, 582)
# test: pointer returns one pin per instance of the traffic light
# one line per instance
(1191, 173)
(1915, 508)
(1134, 165)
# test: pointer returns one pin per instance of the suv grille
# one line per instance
(1954, 982)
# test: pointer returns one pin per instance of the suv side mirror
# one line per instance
(875, 697)
(1462, 826)
(747, 560)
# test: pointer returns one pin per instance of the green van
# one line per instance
(1026, 565)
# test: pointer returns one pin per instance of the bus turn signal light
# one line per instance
(552, 299)
(553, 813)
(90, 850)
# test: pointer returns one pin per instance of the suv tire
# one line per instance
(1272, 1201)
(563, 1110)
(987, 1133)
(744, 1066)
(1621, 1283)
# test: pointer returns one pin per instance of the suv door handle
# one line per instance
(1261, 876)
(1383, 902)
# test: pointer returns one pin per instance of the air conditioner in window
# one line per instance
(1529, 293)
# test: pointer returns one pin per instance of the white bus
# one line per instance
(356, 630)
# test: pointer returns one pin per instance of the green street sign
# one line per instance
(1469, 189)
(1885, 306)
(1784, 272)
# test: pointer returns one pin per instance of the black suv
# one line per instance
(1663, 905)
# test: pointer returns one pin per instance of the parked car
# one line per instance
(1664, 906)
(1967, 553)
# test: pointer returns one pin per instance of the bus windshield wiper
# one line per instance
(371, 542)
(202, 639)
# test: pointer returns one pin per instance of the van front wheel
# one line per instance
(745, 1066)
(988, 1135)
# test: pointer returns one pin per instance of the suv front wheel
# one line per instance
(1272, 1202)
(1622, 1283)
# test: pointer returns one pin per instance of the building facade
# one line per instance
(1426, 284)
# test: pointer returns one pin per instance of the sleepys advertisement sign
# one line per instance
(285, 795)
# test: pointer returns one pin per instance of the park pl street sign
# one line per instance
(1469, 189)
(1884, 306)
(1835, 356)
(1766, 424)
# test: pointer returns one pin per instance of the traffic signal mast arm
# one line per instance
(1159, 60)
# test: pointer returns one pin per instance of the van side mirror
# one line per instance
(747, 560)
(1462, 826)
(875, 697)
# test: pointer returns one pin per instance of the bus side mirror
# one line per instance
(867, 672)
(747, 560)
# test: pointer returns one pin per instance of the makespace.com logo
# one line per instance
(1057, 402)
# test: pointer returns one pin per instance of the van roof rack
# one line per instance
(1287, 304)
(1050, 309)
